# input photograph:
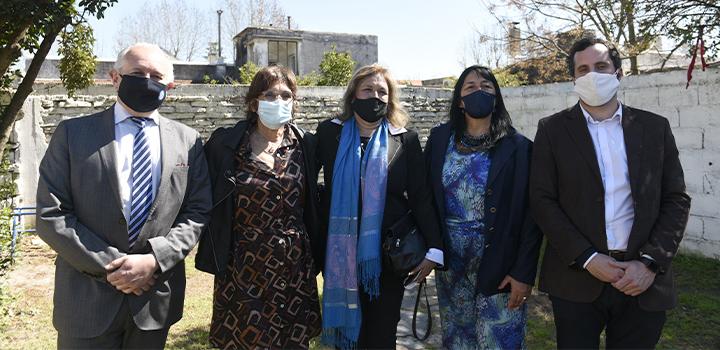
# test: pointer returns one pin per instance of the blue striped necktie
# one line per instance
(142, 191)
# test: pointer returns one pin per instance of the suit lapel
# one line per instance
(578, 130)
(168, 156)
(633, 135)
(394, 144)
(500, 156)
(108, 153)
(437, 160)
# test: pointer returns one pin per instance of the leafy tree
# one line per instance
(618, 22)
(34, 27)
(247, 72)
(310, 79)
(544, 65)
(78, 66)
(336, 68)
(680, 21)
(507, 78)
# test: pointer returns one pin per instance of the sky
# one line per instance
(419, 39)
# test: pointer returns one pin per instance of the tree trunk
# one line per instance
(7, 119)
(632, 38)
(11, 51)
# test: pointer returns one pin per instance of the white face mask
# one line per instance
(275, 114)
(596, 89)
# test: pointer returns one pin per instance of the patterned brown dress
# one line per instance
(268, 298)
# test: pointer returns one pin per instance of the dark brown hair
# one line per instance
(583, 44)
(264, 80)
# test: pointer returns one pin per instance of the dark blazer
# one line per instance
(80, 215)
(512, 240)
(567, 201)
(407, 187)
(216, 241)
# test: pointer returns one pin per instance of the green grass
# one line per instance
(693, 324)
(26, 307)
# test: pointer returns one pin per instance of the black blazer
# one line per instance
(512, 240)
(216, 241)
(567, 201)
(407, 187)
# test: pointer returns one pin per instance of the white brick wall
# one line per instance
(694, 115)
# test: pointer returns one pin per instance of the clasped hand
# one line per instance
(134, 273)
(630, 277)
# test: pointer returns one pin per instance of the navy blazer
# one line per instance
(512, 240)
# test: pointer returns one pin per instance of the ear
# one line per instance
(253, 106)
(620, 74)
(115, 77)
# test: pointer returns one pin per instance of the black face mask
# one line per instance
(479, 104)
(369, 109)
(141, 94)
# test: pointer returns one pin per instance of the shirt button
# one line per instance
(487, 245)
(493, 210)
(282, 284)
(282, 306)
(277, 197)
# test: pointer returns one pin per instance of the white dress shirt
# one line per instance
(609, 142)
(125, 131)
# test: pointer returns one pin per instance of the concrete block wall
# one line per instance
(693, 113)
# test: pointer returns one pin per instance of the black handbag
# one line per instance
(404, 246)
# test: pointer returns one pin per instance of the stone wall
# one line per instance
(693, 114)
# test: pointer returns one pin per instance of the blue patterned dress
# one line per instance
(469, 319)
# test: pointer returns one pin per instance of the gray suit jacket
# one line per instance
(79, 214)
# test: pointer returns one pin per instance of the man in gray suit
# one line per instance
(122, 198)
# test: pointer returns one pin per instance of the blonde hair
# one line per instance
(396, 115)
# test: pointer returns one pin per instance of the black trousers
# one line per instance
(380, 316)
(122, 334)
(626, 325)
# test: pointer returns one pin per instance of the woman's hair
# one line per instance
(396, 114)
(265, 79)
(500, 123)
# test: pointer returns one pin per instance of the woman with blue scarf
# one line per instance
(374, 174)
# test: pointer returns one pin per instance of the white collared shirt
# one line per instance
(609, 142)
(125, 131)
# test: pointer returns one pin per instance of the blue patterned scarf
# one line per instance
(353, 260)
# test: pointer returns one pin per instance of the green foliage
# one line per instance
(208, 80)
(33, 26)
(310, 79)
(506, 78)
(77, 65)
(8, 190)
(336, 68)
(247, 72)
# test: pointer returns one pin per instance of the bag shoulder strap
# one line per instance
(428, 329)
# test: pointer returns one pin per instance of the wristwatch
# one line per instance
(651, 265)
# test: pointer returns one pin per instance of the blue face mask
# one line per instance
(275, 114)
(479, 104)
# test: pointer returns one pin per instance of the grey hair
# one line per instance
(120, 60)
